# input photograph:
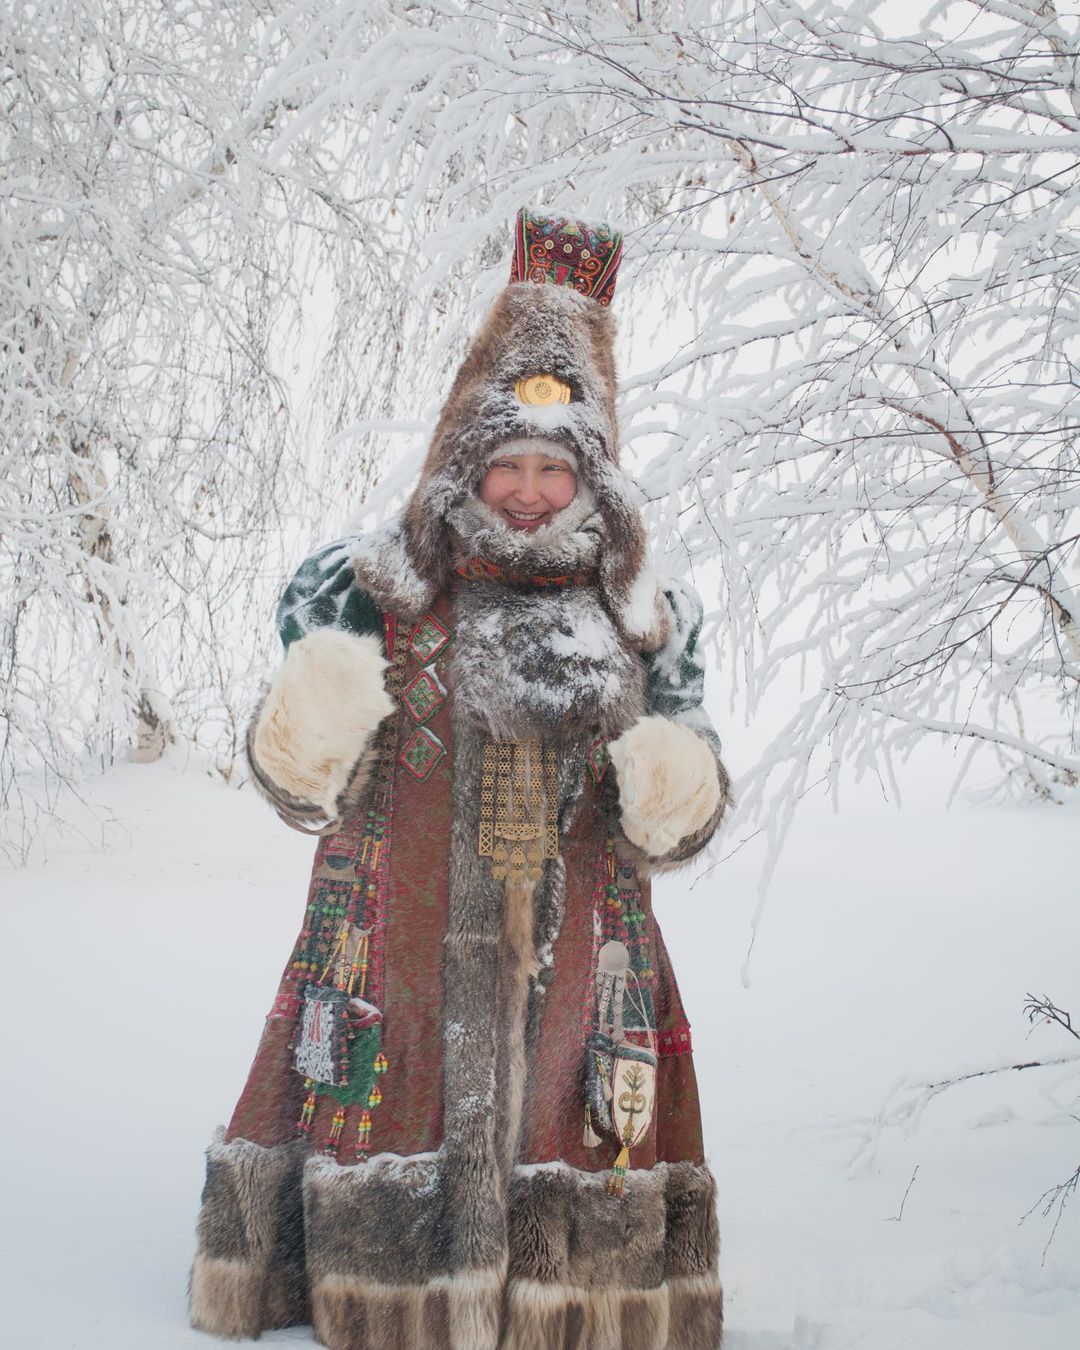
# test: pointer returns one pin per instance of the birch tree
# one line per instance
(851, 259)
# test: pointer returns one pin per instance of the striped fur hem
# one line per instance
(468, 1312)
(461, 1312)
(238, 1299)
(574, 1269)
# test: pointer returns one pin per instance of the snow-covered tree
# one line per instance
(851, 386)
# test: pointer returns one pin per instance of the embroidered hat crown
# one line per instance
(556, 252)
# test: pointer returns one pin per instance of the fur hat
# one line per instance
(556, 324)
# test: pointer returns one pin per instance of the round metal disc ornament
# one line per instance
(542, 390)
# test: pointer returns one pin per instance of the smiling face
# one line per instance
(525, 491)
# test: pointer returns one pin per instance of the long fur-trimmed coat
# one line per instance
(477, 1214)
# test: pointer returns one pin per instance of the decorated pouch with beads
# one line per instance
(322, 1045)
(620, 1075)
(606, 1071)
(327, 1023)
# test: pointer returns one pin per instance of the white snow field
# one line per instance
(894, 943)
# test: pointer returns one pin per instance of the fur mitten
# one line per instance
(318, 717)
(669, 783)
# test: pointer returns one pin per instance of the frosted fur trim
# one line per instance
(319, 715)
(572, 538)
(531, 328)
(535, 445)
(248, 1275)
(373, 1245)
(539, 661)
(668, 783)
(383, 566)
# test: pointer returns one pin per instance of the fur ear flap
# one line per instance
(631, 591)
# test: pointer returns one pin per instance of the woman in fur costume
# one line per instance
(472, 1121)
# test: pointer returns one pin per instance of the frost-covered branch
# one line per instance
(245, 251)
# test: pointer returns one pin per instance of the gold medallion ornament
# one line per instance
(542, 390)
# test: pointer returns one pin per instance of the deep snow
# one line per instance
(893, 943)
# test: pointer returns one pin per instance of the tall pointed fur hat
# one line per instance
(543, 365)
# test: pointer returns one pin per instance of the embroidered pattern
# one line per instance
(322, 1052)
(428, 639)
(557, 252)
(675, 1041)
(424, 695)
(479, 569)
(339, 958)
(422, 752)
(599, 759)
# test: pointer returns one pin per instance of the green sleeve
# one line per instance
(675, 675)
(324, 594)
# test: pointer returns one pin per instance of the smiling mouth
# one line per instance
(525, 517)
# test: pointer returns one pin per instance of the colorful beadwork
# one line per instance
(338, 961)
(552, 251)
(616, 1182)
(424, 695)
(618, 917)
(363, 1136)
(307, 1111)
(361, 1072)
(337, 1124)
(422, 752)
(428, 639)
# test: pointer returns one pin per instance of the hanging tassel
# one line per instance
(616, 1182)
(363, 1136)
(307, 1111)
(591, 1138)
(374, 1096)
(334, 1137)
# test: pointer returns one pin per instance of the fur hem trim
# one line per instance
(249, 1272)
(696, 1319)
(239, 1299)
(550, 1317)
(449, 1313)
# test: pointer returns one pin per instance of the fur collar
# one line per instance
(570, 542)
(575, 540)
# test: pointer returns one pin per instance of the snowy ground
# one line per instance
(893, 944)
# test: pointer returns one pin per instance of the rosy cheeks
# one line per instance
(526, 491)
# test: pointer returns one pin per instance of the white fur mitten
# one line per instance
(320, 713)
(669, 786)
